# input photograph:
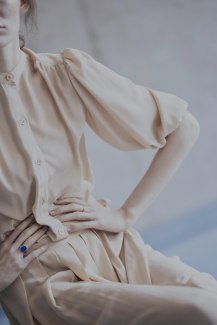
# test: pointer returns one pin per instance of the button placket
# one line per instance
(39, 167)
(38, 161)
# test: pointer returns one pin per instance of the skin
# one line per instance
(74, 212)
(10, 15)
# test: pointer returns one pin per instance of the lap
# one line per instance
(153, 288)
(106, 303)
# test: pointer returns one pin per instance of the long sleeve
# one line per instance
(126, 115)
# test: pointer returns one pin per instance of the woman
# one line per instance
(84, 263)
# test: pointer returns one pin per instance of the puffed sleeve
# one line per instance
(126, 115)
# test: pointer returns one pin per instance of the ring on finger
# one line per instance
(23, 248)
(28, 244)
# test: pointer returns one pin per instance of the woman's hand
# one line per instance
(70, 213)
(12, 260)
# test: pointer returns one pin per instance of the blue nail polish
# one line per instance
(23, 249)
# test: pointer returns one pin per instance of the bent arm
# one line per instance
(163, 166)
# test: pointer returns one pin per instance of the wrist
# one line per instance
(128, 216)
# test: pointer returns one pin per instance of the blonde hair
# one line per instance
(30, 19)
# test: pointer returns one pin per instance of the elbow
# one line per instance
(193, 124)
(190, 127)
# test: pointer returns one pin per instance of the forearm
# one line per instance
(163, 166)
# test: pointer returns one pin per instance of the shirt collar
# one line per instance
(12, 77)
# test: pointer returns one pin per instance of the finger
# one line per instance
(70, 200)
(35, 253)
(76, 216)
(77, 226)
(79, 197)
(70, 208)
(8, 233)
(35, 237)
(18, 230)
(26, 234)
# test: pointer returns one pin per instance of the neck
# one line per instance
(9, 56)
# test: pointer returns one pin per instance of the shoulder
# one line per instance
(80, 66)
(64, 56)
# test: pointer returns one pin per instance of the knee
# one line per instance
(201, 311)
(189, 314)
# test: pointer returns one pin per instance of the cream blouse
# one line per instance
(45, 101)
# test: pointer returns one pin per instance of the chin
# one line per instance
(3, 41)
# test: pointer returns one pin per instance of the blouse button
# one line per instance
(38, 161)
(10, 78)
(63, 231)
(22, 121)
(43, 201)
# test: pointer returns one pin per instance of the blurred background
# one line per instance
(169, 45)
